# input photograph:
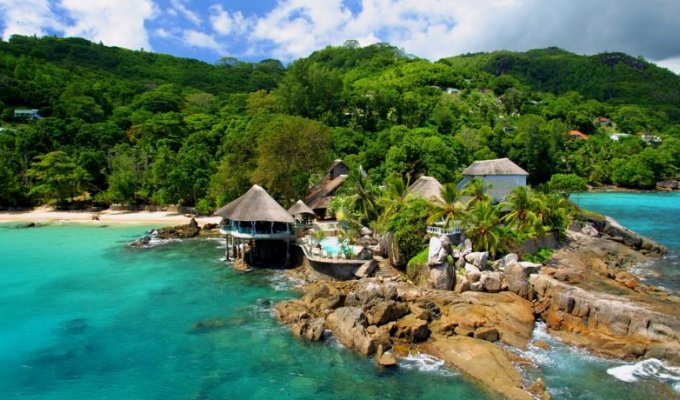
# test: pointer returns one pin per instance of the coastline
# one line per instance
(46, 215)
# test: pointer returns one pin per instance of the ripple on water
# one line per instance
(648, 369)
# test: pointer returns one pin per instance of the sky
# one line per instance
(290, 29)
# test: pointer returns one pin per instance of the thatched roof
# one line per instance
(255, 205)
(500, 166)
(427, 187)
(300, 208)
(320, 195)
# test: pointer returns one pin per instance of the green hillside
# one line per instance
(133, 127)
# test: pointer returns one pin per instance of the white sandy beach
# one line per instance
(45, 214)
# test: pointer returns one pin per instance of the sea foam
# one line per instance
(426, 363)
(651, 368)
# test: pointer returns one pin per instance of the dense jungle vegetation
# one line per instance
(133, 127)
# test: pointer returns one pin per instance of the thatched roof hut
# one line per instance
(499, 166)
(255, 205)
(427, 187)
(300, 208)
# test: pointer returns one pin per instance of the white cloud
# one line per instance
(179, 7)
(440, 28)
(225, 23)
(201, 40)
(672, 64)
(119, 23)
(27, 17)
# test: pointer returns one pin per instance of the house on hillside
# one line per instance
(603, 121)
(320, 195)
(501, 175)
(26, 113)
(427, 187)
(651, 140)
(576, 135)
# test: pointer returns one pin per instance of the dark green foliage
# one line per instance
(408, 222)
(151, 128)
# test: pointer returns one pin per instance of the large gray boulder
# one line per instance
(478, 258)
(442, 277)
(348, 324)
(472, 273)
(501, 263)
(516, 275)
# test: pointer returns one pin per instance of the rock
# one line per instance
(472, 273)
(624, 235)
(502, 263)
(433, 251)
(511, 315)
(668, 185)
(478, 259)
(383, 359)
(348, 324)
(208, 325)
(491, 281)
(180, 232)
(386, 311)
(365, 231)
(390, 291)
(490, 334)
(542, 345)
(442, 277)
(609, 325)
(412, 329)
(210, 226)
(365, 254)
(309, 329)
(589, 230)
(141, 242)
(516, 276)
(480, 360)
(462, 285)
(538, 387)
(366, 269)
(467, 247)
(365, 296)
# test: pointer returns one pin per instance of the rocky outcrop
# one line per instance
(179, 232)
(604, 323)
(516, 276)
(349, 326)
(617, 232)
(481, 361)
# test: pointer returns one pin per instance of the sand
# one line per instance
(45, 214)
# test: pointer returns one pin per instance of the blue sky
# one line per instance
(289, 29)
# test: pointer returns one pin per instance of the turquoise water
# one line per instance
(85, 317)
(656, 215)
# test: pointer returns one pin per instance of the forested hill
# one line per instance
(612, 77)
(133, 127)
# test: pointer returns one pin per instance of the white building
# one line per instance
(501, 175)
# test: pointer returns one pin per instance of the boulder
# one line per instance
(365, 231)
(365, 296)
(478, 259)
(472, 273)
(467, 247)
(348, 324)
(490, 334)
(482, 361)
(502, 263)
(412, 329)
(442, 276)
(390, 291)
(491, 281)
(516, 276)
(462, 285)
(366, 269)
(180, 232)
(386, 311)
(141, 242)
(433, 251)
(309, 329)
(589, 230)
(383, 359)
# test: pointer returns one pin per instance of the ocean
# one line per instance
(84, 316)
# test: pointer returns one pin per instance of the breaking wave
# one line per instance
(648, 369)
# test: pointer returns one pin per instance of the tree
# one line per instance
(289, 150)
(57, 177)
(522, 216)
(482, 227)
(451, 210)
(566, 184)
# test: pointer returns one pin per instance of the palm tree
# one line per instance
(523, 216)
(476, 188)
(451, 209)
(482, 227)
(392, 197)
(364, 195)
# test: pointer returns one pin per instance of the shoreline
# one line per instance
(46, 215)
